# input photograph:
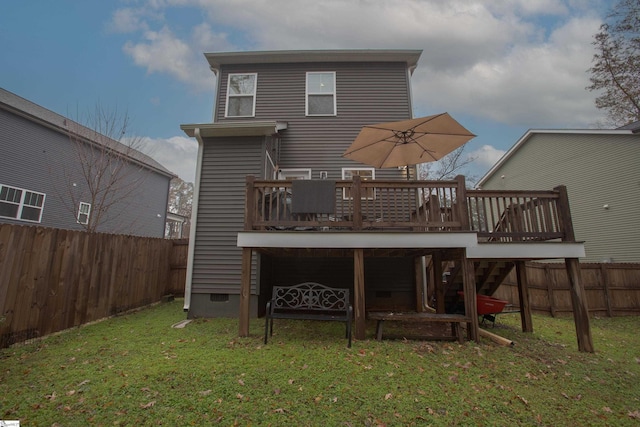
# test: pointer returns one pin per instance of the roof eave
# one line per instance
(230, 129)
(531, 132)
(218, 59)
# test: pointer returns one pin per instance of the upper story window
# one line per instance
(241, 95)
(21, 204)
(321, 94)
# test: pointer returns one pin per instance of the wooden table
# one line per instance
(455, 319)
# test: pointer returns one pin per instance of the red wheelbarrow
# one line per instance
(488, 307)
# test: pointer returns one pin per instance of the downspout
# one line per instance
(194, 222)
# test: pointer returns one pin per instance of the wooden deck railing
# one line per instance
(421, 206)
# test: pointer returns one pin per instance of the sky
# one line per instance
(499, 67)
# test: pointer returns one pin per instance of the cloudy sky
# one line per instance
(500, 67)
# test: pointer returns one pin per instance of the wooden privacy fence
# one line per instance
(611, 289)
(53, 279)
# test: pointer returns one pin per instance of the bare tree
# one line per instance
(447, 167)
(616, 64)
(106, 173)
(180, 203)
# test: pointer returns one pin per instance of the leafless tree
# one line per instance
(615, 73)
(447, 167)
(106, 173)
(180, 203)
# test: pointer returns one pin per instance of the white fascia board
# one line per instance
(363, 240)
(230, 129)
(529, 250)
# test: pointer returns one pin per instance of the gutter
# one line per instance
(194, 222)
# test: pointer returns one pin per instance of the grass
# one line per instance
(137, 370)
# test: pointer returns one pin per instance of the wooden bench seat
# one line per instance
(456, 320)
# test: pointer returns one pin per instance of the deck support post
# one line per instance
(579, 304)
(469, 287)
(358, 294)
(419, 268)
(437, 281)
(245, 292)
(523, 297)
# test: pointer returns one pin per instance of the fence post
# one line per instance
(461, 198)
(249, 203)
(564, 214)
(356, 194)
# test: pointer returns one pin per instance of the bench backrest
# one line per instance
(310, 296)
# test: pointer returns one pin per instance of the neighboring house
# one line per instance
(282, 116)
(601, 170)
(41, 183)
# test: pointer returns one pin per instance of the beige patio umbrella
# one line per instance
(408, 142)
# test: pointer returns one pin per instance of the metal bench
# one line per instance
(456, 320)
(308, 301)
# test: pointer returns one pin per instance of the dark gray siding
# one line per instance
(366, 93)
(225, 164)
(40, 159)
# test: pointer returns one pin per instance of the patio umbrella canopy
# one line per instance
(408, 142)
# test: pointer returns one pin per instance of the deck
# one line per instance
(414, 218)
(415, 206)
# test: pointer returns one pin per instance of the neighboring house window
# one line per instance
(365, 174)
(84, 210)
(294, 174)
(21, 204)
(321, 94)
(241, 95)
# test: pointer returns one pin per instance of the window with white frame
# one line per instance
(241, 95)
(294, 174)
(365, 174)
(84, 210)
(21, 204)
(321, 94)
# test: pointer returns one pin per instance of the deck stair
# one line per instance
(489, 275)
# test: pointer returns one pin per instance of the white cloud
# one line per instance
(486, 156)
(127, 20)
(518, 62)
(178, 154)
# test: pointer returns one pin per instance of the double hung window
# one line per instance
(241, 95)
(294, 174)
(321, 94)
(21, 204)
(365, 174)
(84, 210)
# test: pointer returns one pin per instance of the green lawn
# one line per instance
(137, 370)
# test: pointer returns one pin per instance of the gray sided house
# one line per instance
(601, 170)
(284, 115)
(42, 155)
(277, 204)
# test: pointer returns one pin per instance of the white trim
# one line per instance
(373, 177)
(530, 250)
(307, 93)
(22, 204)
(295, 173)
(80, 212)
(194, 221)
(342, 240)
(400, 240)
(241, 95)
